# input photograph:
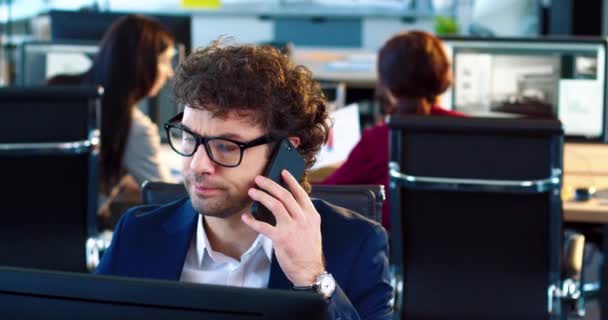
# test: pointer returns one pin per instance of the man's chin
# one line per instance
(220, 208)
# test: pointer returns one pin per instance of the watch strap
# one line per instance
(314, 287)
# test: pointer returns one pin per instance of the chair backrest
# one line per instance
(363, 199)
(476, 211)
(48, 161)
(159, 193)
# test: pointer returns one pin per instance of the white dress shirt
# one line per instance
(204, 265)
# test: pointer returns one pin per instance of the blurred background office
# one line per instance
(503, 63)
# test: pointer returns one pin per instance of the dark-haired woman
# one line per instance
(134, 62)
(413, 71)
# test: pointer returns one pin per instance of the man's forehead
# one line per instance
(246, 116)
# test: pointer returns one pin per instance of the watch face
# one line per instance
(327, 285)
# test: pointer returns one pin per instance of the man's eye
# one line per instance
(226, 147)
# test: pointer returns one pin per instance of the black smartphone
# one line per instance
(285, 156)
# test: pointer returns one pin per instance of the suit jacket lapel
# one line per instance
(172, 249)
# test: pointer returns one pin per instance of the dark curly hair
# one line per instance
(261, 83)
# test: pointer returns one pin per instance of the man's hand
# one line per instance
(297, 236)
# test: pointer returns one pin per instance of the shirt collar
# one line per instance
(202, 243)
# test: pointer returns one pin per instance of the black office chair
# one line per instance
(363, 199)
(48, 161)
(476, 211)
(160, 193)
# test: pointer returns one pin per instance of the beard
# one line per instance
(222, 204)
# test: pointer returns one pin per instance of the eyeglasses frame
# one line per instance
(175, 122)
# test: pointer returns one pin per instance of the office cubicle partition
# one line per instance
(48, 167)
(476, 217)
(91, 25)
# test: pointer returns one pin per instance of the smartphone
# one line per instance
(284, 156)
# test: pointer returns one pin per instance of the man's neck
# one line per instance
(229, 236)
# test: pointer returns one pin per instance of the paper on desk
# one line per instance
(344, 135)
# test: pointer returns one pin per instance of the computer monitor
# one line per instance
(41, 60)
(545, 77)
(36, 294)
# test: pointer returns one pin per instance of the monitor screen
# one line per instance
(42, 60)
(35, 294)
(544, 78)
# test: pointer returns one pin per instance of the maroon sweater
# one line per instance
(367, 163)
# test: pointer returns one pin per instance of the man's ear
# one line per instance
(294, 140)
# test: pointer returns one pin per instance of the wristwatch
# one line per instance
(324, 285)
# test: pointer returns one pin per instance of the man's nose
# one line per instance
(201, 162)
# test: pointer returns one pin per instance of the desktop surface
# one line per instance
(36, 294)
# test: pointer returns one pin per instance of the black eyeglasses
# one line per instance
(225, 152)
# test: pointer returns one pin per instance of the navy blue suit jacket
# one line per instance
(152, 242)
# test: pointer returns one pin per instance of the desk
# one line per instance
(585, 165)
(593, 211)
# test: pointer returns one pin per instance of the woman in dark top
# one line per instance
(414, 71)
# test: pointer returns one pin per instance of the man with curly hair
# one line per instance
(237, 98)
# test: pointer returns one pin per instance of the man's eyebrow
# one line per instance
(232, 136)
